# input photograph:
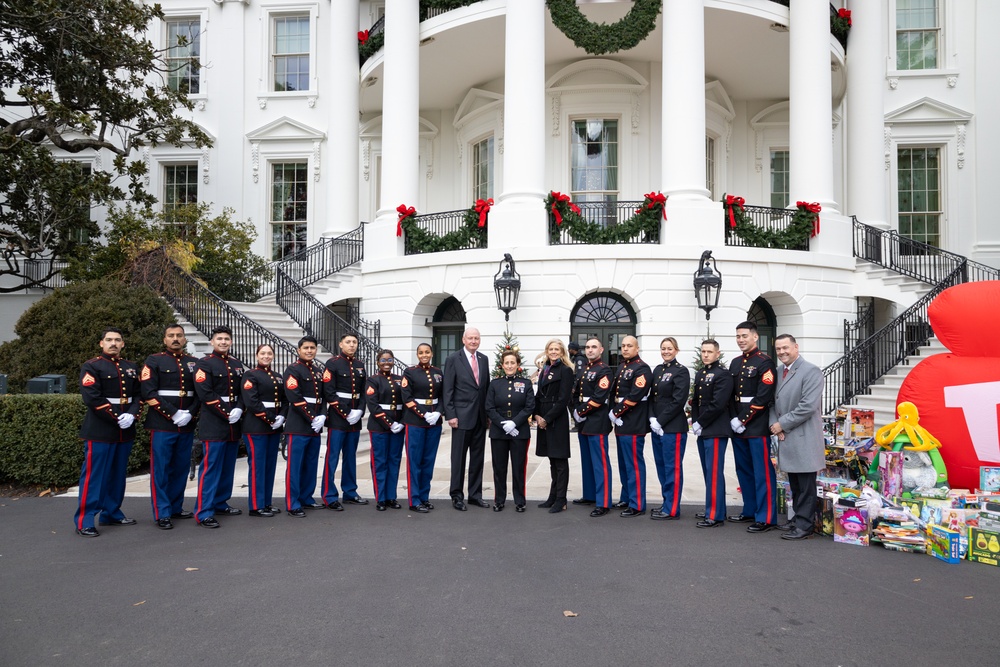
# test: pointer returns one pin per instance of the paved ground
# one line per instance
(450, 588)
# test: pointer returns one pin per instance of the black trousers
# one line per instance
(472, 442)
(803, 499)
(517, 451)
(559, 468)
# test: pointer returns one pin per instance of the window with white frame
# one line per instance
(290, 53)
(594, 168)
(183, 57)
(180, 188)
(779, 178)
(710, 166)
(80, 233)
(289, 208)
(918, 34)
(482, 169)
(918, 181)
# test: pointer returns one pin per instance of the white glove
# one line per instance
(696, 428)
(235, 415)
(514, 432)
(126, 420)
(279, 421)
(736, 424)
(611, 416)
(658, 431)
(618, 422)
(508, 426)
(654, 424)
(740, 429)
(181, 418)
(317, 423)
(353, 417)
(431, 417)
(396, 427)
(578, 418)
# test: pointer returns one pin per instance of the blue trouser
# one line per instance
(337, 442)
(102, 481)
(630, 448)
(262, 457)
(300, 473)
(712, 452)
(622, 474)
(386, 454)
(668, 452)
(760, 492)
(169, 462)
(586, 468)
(601, 460)
(744, 475)
(218, 465)
(421, 452)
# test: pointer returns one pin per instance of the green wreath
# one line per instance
(600, 38)
(793, 237)
(564, 214)
(423, 241)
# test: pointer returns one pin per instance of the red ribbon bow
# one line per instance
(404, 212)
(811, 208)
(845, 14)
(657, 199)
(363, 36)
(482, 208)
(558, 197)
(732, 201)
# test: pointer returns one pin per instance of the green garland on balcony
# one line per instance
(840, 25)
(600, 38)
(371, 45)
(795, 235)
(646, 220)
(423, 241)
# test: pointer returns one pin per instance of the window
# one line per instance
(710, 166)
(779, 178)
(919, 193)
(180, 188)
(81, 232)
(184, 54)
(594, 170)
(289, 208)
(918, 34)
(482, 169)
(290, 53)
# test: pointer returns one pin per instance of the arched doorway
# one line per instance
(448, 326)
(604, 316)
(762, 315)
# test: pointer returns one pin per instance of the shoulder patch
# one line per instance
(604, 383)
(640, 381)
(248, 384)
(404, 383)
(200, 375)
(145, 373)
(88, 380)
(292, 382)
(370, 391)
(767, 377)
(326, 375)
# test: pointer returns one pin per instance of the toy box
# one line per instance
(989, 478)
(890, 472)
(862, 423)
(984, 546)
(850, 523)
(944, 544)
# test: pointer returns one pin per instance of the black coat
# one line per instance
(712, 403)
(555, 386)
(669, 395)
(510, 398)
(264, 397)
(110, 388)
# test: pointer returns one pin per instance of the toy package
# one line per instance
(890, 471)
(850, 522)
(943, 543)
(862, 423)
(984, 546)
(824, 514)
(989, 479)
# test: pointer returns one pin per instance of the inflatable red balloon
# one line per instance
(958, 394)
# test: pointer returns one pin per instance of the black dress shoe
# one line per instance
(380, 506)
(498, 507)
(210, 522)
(428, 505)
(558, 507)
(478, 502)
(272, 509)
(699, 515)
(458, 504)
(621, 504)
(230, 511)
(797, 534)
(119, 522)
(584, 501)
(164, 524)
(183, 514)
(87, 532)
(419, 508)
(785, 526)
(740, 518)
(547, 504)
(518, 508)
(316, 506)
(758, 527)
(335, 506)
(393, 504)
(660, 515)
(262, 512)
(599, 511)
(297, 513)
(630, 512)
(709, 523)
(356, 500)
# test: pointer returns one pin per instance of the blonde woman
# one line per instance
(555, 386)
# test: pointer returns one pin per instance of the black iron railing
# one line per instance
(323, 258)
(43, 273)
(861, 328)
(766, 218)
(441, 224)
(377, 28)
(606, 214)
(428, 10)
(367, 328)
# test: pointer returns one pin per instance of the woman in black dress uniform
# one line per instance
(555, 386)
(421, 390)
(263, 394)
(668, 421)
(510, 400)
(385, 430)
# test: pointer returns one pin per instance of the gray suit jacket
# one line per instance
(462, 397)
(798, 407)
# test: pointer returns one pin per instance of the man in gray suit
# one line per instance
(466, 381)
(797, 422)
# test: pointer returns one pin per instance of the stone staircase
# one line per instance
(882, 395)
(345, 284)
(873, 280)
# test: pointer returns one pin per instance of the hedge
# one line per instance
(40, 441)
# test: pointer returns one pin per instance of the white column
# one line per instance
(342, 129)
(682, 153)
(400, 125)
(866, 181)
(810, 125)
(519, 214)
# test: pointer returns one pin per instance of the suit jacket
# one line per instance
(555, 387)
(463, 398)
(798, 408)
(510, 398)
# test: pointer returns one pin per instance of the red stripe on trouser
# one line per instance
(288, 474)
(639, 501)
(715, 475)
(604, 466)
(409, 461)
(89, 467)
(253, 473)
(371, 451)
(326, 465)
(677, 473)
(152, 479)
(201, 475)
(767, 476)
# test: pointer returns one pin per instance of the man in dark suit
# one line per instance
(466, 381)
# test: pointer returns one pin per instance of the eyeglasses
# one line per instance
(386, 360)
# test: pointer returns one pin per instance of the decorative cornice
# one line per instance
(635, 112)
(366, 158)
(960, 132)
(316, 163)
(556, 111)
(887, 145)
(255, 160)
(204, 164)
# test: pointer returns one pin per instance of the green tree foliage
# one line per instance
(60, 332)
(76, 76)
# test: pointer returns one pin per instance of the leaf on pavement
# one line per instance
(139, 603)
(190, 569)
(570, 614)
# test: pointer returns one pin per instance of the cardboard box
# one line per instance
(850, 524)
(989, 478)
(944, 544)
(890, 474)
(984, 546)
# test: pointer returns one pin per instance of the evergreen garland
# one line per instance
(370, 46)
(793, 237)
(422, 241)
(600, 38)
(840, 25)
(645, 221)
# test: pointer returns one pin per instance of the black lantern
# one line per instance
(507, 284)
(707, 283)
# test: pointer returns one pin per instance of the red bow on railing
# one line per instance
(811, 208)
(482, 208)
(558, 198)
(404, 212)
(363, 36)
(732, 201)
(657, 199)
(845, 14)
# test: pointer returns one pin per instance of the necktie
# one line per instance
(475, 367)
(784, 373)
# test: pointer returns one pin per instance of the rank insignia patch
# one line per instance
(248, 384)
(604, 383)
(292, 383)
(200, 375)
(88, 380)
(640, 382)
(145, 373)
(405, 383)
(326, 375)
(767, 378)
(370, 391)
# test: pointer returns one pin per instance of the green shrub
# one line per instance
(40, 441)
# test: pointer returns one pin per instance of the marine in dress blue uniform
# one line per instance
(590, 401)
(109, 386)
(667, 398)
(385, 431)
(263, 394)
(510, 402)
(754, 378)
(630, 414)
(305, 395)
(421, 389)
(711, 411)
(344, 386)
(167, 386)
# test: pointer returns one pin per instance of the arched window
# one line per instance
(604, 316)
(448, 324)
(762, 315)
